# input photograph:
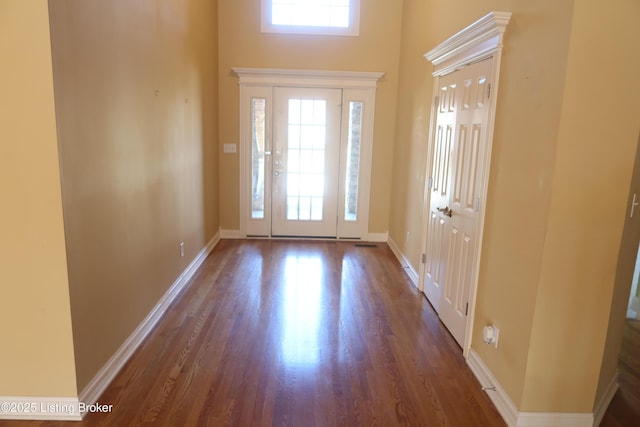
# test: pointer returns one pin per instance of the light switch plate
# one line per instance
(230, 148)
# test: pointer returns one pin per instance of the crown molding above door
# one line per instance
(474, 43)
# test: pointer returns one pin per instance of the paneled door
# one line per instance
(456, 172)
(305, 161)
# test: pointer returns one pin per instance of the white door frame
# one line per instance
(324, 224)
(480, 40)
(356, 87)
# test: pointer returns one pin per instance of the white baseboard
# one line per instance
(508, 410)
(605, 400)
(103, 378)
(503, 403)
(378, 237)
(40, 408)
(554, 419)
(633, 311)
(404, 262)
(230, 234)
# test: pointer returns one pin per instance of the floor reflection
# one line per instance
(302, 310)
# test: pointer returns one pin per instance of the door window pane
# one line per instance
(353, 161)
(257, 157)
(305, 159)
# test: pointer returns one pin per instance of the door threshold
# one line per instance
(308, 238)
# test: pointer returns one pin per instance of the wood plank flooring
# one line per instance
(281, 333)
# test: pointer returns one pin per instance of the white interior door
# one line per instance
(305, 161)
(457, 168)
(439, 194)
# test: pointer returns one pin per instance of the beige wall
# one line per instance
(624, 277)
(557, 190)
(533, 66)
(594, 163)
(36, 347)
(376, 49)
(138, 166)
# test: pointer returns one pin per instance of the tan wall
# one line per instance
(557, 191)
(376, 49)
(594, 163)
(527, 120)
(36, 347)
(139, 169)
(624, 277)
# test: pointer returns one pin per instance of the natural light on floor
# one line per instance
(302, 302)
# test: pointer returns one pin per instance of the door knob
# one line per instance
(448, 212)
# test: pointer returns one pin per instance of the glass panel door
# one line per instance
(306, 161)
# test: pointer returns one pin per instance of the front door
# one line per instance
(456, 179)
(305, 161)
(305, 152)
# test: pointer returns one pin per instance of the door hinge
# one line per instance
(466, 310)
(476, 205)
(430, 182)
(634, 203)
(489, 91)
(435, 100)
(423, 258)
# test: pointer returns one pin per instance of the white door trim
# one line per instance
(481, 40)
(307, 78)
(356, 86)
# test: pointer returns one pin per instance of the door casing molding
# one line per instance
(355, 85)
(481, 40)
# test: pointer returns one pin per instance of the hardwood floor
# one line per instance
(280, 333)
(624, 409)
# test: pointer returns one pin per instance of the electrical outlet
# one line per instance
(490, 335)
(181, 249)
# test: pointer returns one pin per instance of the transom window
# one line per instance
(325, 17)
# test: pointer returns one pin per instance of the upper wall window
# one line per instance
(326, 17)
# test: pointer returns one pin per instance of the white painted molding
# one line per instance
(378, 237)
(103, 378)
(475, 42)
(404, 261)
(605, 400)
(509, 411)
(231, 234)
(307, 78)
(633, 311)
(40, 408)
(503, 403)
(554, 419)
